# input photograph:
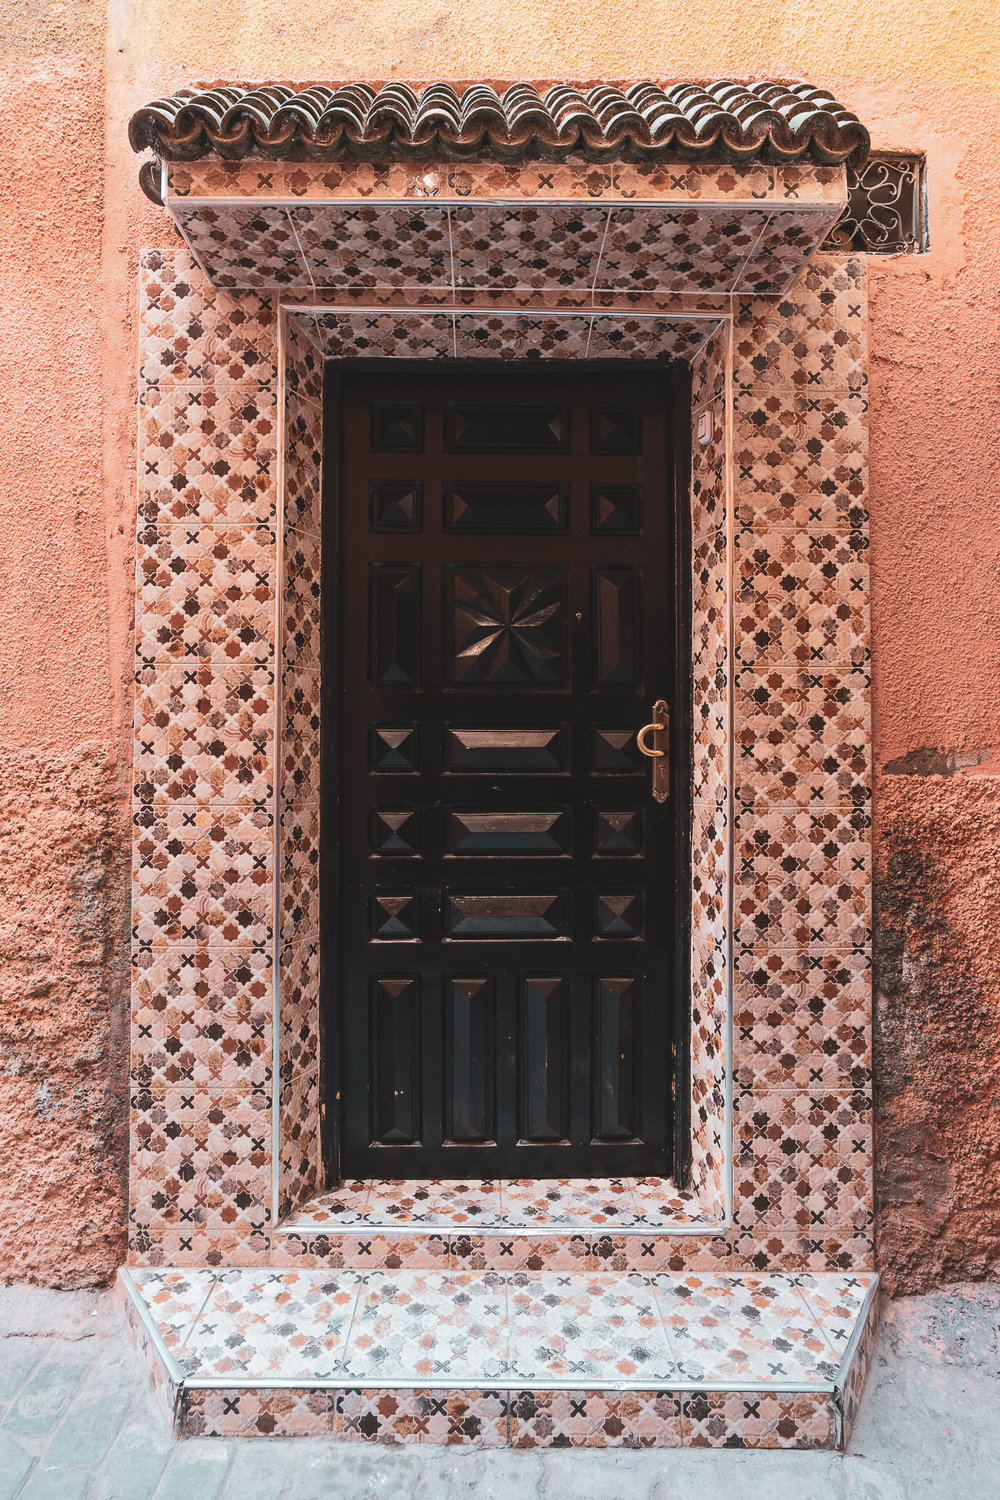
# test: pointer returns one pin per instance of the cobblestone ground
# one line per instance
(77, 1422)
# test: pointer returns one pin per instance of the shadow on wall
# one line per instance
(64, 915)
(937, 1019)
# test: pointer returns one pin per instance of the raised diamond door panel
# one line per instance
(508, 952)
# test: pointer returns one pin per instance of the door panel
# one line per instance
(507, 978)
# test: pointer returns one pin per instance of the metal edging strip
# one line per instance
(173, 1369)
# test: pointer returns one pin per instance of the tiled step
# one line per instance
(526, 1359)
(568, 1224)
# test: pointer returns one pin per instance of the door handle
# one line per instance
(659, 751)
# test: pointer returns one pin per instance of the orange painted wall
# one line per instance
(921, 77)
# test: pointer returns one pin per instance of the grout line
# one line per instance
(750, 254)
(213, 1283)
(194, 256)
(170, 1365)
(298, 245)
(600, 257)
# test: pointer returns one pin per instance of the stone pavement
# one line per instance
(77, 1422)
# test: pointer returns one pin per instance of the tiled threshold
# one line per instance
(526, 1359)
(557, 1224)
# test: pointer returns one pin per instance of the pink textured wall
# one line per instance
(921, 77)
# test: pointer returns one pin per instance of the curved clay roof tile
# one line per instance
(737, 121)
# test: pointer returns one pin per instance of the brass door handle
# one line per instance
(659, 751)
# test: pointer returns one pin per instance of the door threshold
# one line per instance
(633, 1206)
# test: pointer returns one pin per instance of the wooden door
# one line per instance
(509, 973)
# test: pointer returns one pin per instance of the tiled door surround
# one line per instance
(225, 1070)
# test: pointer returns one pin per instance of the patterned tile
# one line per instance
(450, 1205)
(476, 1417)
(494, 335)
(175, 1299)
(569, 1204)
(303, 439)
(300, 763)
(288, 1323)
(789, 238)
(181, 425)
(595, 1419)
(691, 250)
(244, 247)
(202, 875)
(727, 1328)
(836, 1303)
(201, 1016)
(190, 333)
(204, 733)
(538, 246)
(803, 737)
(445, 1327)
(822, 1124)
(758, 1419)
(373, 244)
(236, 1413)
(303, 362)
(204, 592)
(652, 338)
(580, 1328)
(301, 600)
(413, 335)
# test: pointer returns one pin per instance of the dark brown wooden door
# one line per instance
(507, 894)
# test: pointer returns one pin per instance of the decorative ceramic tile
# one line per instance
(826, 1125)
(444, 1327)
(189, 332)
(382, 1415)
(244, 247)
(288, 1323)
(786, 243)
(181, 423)
(595, 1419)
(836, 1303)
(303, 357)
(300, 763)
(235, 1413)
(506, 1251)
(728, 1328)
(201, 1016)
(758, 1419)
(803, 737)
(175, 1299)
(696, 249)
(570, 1204)
(204, 733)
(573, 1328)
(647, 337)
(372, 244)
(494, 335)
(539, 246)
(303, 465)
(411, 335)
(204, 592)
(452, 1205)
(446, 179)
(202, 875)
(301, 599)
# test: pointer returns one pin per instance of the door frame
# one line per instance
(678, 379)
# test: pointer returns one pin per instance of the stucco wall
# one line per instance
(921, 77)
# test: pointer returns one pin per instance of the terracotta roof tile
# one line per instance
(779, 122)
